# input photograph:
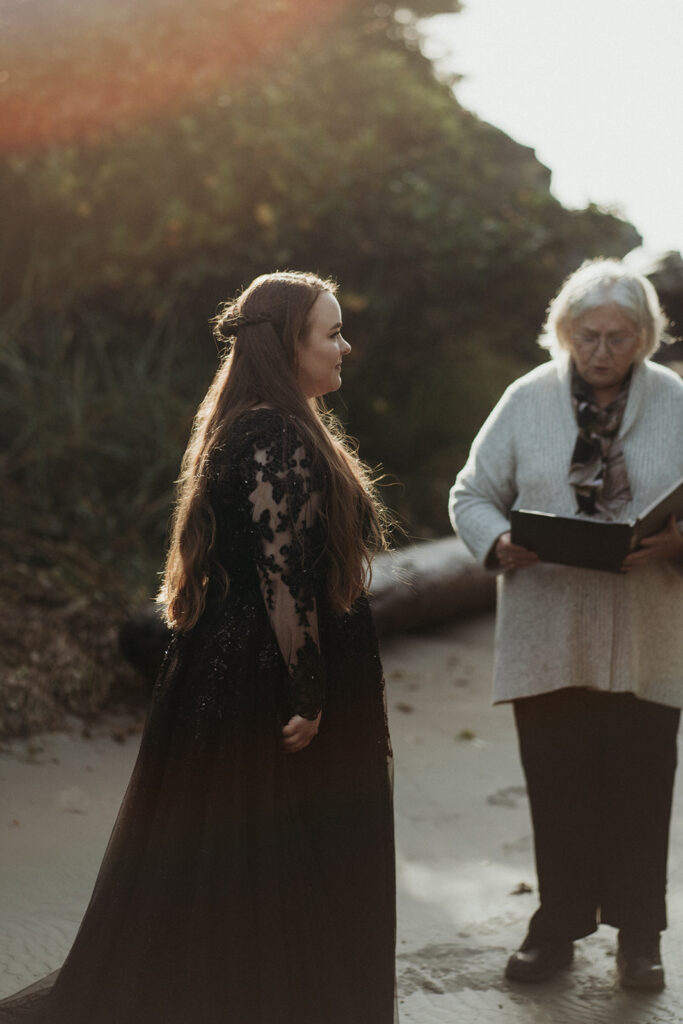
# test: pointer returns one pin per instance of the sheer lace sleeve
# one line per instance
(285, 504)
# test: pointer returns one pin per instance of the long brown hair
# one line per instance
(263, 326)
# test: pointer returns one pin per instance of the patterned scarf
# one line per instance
(598, 470)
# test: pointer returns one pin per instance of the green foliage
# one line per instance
(345, 156)
(91, 433)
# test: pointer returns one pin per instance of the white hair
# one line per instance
(598, 283)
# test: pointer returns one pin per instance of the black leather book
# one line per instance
(590, 543)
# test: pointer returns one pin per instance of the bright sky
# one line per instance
(594, 86)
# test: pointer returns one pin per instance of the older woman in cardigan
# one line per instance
(592, 660)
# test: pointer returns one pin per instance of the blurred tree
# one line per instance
(327, 144)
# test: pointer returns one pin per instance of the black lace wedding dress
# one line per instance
(243, 885)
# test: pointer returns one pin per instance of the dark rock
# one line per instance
(143, 638)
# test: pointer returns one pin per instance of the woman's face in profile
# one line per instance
(320, 353)
(603, 343)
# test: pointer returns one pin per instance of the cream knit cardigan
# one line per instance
(559, 626)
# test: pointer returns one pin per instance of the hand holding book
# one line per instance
(667, 543)
(512, 556)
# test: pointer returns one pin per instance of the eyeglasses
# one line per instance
(588, 341)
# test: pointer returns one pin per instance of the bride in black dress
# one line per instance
(249, 878)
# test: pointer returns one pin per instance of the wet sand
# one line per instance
(465, 859)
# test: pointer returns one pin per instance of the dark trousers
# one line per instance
(599, 770)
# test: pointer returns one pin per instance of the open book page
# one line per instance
(656, 515)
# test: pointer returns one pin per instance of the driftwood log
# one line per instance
(427, 584)
(421, 585)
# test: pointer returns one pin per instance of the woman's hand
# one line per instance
(299, 732)
(668, 543)
(513, 556)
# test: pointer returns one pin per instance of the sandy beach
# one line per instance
(465, 859)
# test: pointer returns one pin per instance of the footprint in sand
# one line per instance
(511, 796)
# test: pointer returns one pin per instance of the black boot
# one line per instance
(639, 961)
(539, 961)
